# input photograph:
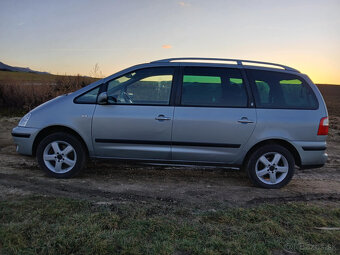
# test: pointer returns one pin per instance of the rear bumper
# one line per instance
(311, 166)
(24, 137)
(312, 154)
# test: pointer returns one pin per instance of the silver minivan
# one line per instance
(262, 117)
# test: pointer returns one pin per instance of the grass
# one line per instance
(23, 76)
(45, 225)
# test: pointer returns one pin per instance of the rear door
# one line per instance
(137, 122)
(213, 118)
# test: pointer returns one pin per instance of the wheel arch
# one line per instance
(54, 129)
(290, 147)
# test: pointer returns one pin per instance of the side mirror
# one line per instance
(102, 98)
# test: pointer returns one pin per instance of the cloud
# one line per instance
(184, 4)
(166, 46)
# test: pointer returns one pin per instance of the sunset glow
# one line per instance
(71, 36)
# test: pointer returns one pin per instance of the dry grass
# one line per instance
(20, 95)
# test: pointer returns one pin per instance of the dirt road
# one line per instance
(107, 183)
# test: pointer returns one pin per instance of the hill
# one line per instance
(4, 67)
(11, 76)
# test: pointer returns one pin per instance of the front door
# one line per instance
(137, 121)
(212, 121)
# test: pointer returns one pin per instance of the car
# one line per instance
(262, 117)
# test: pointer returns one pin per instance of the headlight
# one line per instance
(24, 120)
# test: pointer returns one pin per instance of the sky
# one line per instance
(72, 36)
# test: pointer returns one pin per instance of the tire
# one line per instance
(61, 155)
(270, 166)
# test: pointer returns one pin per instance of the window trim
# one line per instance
(256, 95)
(178, 103)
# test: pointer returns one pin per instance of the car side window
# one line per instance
(150, 86)
(281, 90)
(213, 87)
(89, 97)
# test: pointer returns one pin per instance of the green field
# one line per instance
(45, 225)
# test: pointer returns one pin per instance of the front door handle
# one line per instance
(162, 117)
(245, 120)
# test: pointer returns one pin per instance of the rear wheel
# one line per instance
(270, 166)
(61, 155)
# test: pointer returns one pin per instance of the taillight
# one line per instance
(323, 126)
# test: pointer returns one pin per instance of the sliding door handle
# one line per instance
(162, 117)
(245, 120)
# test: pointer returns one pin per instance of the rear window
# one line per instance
(281, 90)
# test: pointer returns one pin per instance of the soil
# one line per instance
(110, 183)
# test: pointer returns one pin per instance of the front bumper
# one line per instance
(24, 138)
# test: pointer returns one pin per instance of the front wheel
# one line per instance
(61, 155)
(270, 166)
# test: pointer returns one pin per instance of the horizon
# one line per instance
(71, 37)
(96, 77)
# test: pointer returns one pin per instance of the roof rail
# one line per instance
(239, 62)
